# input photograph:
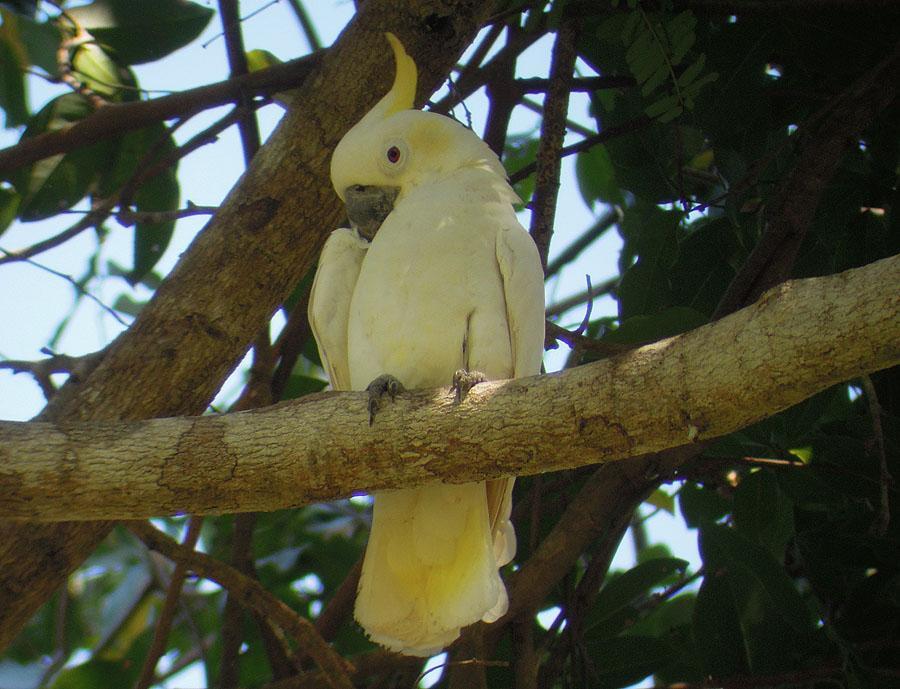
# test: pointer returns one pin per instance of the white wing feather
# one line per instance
(329, 301)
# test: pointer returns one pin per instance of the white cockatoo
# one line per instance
(436, 277)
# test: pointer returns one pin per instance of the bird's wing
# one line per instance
(523, 287)
(329, 301)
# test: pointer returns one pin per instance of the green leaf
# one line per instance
(763, 513)
(58, 183)
(626, 659)
(770, 609)
(613, 610)
(260, 59)
(12, 81)
(126, 304)
(521, 150)
(100, 73)
(41, 42)
(652, 235)
(97, 674)
(718, 628)
(707, 259)
(159, 193)
(9, 205)
(597, 178)
(643, 329)
(701, 505)
(662, 500)
(299, 385)
(136, 31)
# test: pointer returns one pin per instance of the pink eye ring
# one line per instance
(393, 154)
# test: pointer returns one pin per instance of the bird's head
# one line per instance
(393, 149)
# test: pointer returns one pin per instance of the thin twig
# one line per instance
(78, 367)
(72, 281)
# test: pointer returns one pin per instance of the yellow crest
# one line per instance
(403, 93)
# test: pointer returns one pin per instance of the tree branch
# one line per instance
(800, 338)
(118, 118)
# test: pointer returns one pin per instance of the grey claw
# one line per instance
(385, 384)
(464, 380)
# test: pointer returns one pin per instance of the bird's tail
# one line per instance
(430, 567)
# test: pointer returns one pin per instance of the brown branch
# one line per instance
(77, 366)
(253, 596)
(167, 614)
(290, 343)
(553, 132)
(705, 383)
(118, 118)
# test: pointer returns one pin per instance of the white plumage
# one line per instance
(450, 281)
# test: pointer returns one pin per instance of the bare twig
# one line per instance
(553, 132)
(72, 281)
(167, 614)
(76, 366)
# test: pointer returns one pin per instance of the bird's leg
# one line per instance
(384, 384)
(464, 380)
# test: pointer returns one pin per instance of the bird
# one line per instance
(435, 282)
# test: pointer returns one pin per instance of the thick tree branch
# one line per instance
(800, 338)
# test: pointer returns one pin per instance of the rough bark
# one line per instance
(797, 340)
(244, 263)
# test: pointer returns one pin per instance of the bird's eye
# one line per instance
(393, 154)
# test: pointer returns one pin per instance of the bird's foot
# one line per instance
(384, 384)
(464, 380)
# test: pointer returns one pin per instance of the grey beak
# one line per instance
(368, 206)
